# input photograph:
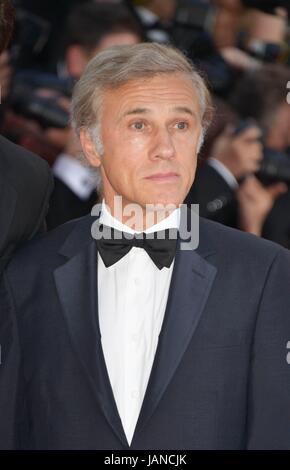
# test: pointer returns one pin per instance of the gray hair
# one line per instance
(118, 65)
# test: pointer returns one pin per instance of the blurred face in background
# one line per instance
(278, 136)
(77, 57)
(226, 22)
(164, 9)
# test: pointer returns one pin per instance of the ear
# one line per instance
(89, 148)
(76, 60)
(200, 141)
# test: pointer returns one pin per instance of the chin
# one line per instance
(165, 201)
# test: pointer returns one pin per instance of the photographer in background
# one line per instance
(226, 38)
(262, 96)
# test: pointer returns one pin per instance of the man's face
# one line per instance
(77, 57)
(150, 133)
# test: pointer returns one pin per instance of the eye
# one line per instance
(181, 125)
(138, 125)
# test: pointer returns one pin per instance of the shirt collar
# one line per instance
(106, 218)
(147, 15)
(78, 178)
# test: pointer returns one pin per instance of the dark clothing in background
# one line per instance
(55, 12)
(277, 224)
(220, 379)
(65, 205)
(210, 186)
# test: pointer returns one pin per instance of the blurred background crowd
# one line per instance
(241, 47)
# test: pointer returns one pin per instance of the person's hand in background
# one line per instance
(239, 59)
(255, 202)
(265, 27)
(242, 153)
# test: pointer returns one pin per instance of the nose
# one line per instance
(162, 146)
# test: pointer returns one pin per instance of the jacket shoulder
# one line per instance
(231, 242)
(14, 157)
(43, 249)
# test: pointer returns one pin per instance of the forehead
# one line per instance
(161, 91)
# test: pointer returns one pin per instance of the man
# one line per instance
(145, 343)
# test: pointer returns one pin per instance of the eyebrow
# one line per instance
(137, 111)
(180, 109)
(184, 109)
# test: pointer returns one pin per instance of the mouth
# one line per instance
(169, 176)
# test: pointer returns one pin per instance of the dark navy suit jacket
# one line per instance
(220, 378)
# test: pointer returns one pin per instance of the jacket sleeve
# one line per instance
(268, 417)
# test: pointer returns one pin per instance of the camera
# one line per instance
(45, 109)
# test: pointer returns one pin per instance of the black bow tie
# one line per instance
(160, 246)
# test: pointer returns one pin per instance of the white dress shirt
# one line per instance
(78, 178)
(132, 297)
(149, 18)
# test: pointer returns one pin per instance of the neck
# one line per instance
(138, 217)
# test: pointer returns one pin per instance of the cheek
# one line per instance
(135, 144)
(187, 151)
(124, 144)
(121, 167)
(130, 153)
(188, 166)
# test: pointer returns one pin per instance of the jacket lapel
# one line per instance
(77, 287)
(191, 282)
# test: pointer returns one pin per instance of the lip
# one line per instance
(163, 176)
